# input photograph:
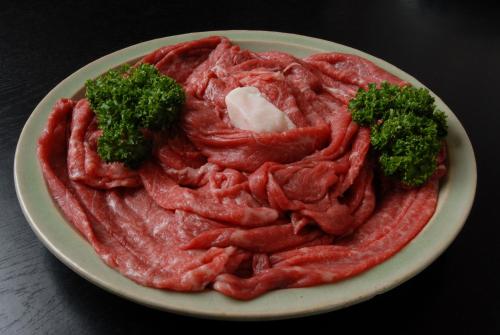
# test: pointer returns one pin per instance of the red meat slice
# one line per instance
(262, 240)
(178, 61)
(169, 195)
(351, 69)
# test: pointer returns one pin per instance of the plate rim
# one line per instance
(238, 36)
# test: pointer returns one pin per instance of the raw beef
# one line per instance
(230, 209)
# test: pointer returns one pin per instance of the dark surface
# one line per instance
(452, 48)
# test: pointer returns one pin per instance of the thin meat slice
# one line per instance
(342, 131)
(357, 159)
(177, 152)
(169, 195)
(51, 149)
(178, 61)
(213, 79)
(282, 186)
(262, 240)
(351, 69)
(386, 218)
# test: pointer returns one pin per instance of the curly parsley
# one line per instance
(128, 100)
(406, 129)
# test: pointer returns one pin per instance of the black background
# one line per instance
(453, 48)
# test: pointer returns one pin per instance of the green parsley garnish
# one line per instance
(406, 129)
(127, 101)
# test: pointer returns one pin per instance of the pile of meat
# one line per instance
(233, 210)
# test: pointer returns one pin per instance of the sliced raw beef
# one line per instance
(234, 210)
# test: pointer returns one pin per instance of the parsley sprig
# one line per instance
(127, 101)
(406, 129)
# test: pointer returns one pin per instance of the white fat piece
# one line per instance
(248, 109)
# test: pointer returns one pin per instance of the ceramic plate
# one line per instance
(455, 200)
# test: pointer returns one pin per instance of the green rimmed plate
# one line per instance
(455, 200)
